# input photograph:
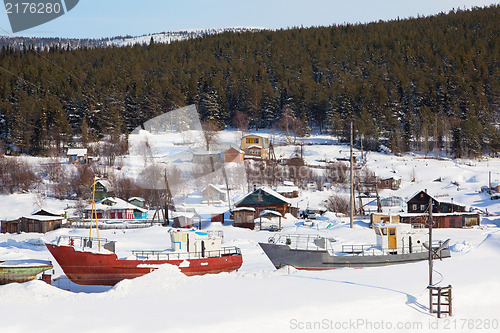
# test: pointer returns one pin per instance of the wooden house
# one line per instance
(40, 223)
(442, 220)
(137, 201)
(288, 190)
(115, 209)
(264, 199)
(234, 155)
(185, 219)
(212, 194)
(77, 155)
(103, 189)
(390, 183)
(419, 203)
(255, 146)
(244, 217)
(10, 226)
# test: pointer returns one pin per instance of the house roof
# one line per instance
(104, 183)
(43, 218)
(270, 212)
(214, 187)
(137, 198)
(268, 197)
(251, 209)
(445, 198)
(77, 151)
(117, 204)
(239, 151)
(259, 135)
(48, 212)
(255, 146)
(286, 189)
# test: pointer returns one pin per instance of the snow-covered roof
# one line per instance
(117, 204)
(255, 146)
(440, 197)
(244, 208)
(286, 189)
(215, 187)
(270, 212)
(43, 218)
(259, 135)
(137, 198)
(188, 215)
(104, 183)
(268, 191)
(236, 149)
(55, 212)
(436, 214)
(77, 151)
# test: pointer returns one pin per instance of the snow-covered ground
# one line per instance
(258, 297)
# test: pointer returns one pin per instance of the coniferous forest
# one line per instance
(420, 83)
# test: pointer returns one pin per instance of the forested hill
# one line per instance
(405, 81)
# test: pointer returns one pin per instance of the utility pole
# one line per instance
(351, 224)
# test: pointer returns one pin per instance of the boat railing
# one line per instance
(303, 241)
(370, 250)
(162, 255)
(80, 242)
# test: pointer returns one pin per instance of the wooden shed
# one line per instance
(40, 223)
(244, 217)
(77, 155)
(233, 155)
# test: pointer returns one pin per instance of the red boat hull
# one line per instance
(89, 268)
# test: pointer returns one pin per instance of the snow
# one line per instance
(258, 297)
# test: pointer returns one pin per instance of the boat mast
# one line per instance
(430, 254)
(92, 214)
(351, 224)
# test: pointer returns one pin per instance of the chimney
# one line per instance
(425, 190)
(254, 187)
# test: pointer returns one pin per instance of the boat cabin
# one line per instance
(205, 243)
(399, 237)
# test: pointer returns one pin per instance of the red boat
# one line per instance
(85, 261)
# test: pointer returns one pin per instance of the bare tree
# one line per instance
(289, 123)
(241, 121)
(338, 203)
(210, 133)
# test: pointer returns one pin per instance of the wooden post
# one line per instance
(351, 221)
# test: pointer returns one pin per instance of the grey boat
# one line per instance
(396, 244)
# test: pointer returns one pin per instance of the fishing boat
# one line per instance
(93, 261)
(397, 243)
(22, 270)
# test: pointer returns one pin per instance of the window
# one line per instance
(414, 207)
(422, 207)
(384, 231)
(252, 140)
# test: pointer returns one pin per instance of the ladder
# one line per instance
(441, 298)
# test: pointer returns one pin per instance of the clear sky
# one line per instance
(108, 18)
